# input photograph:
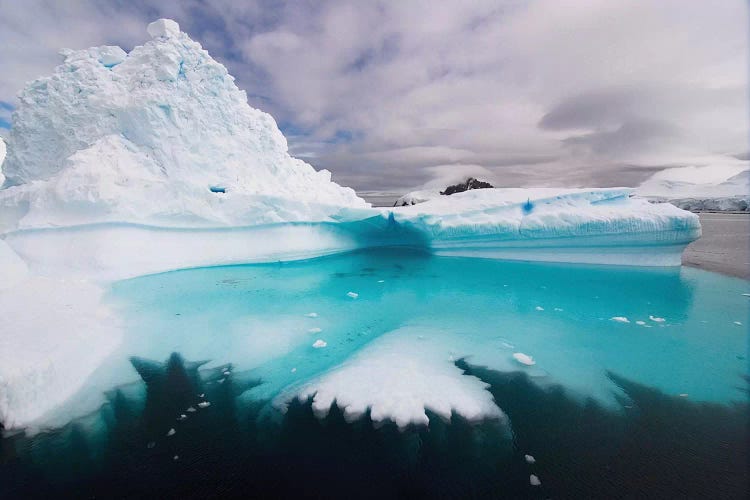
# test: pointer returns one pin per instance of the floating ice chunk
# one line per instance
(191, 409)
(201, 395)
(620, 319)
(381, 281)
(558, 309)
(656, 319)
(524, 359)
(182, 417)
(176, 457)
(738, 323)
(353, 295)
(171, 432)
(539, 308)
(746, 294)
(221, 381)
(204, 404)
(507, 345)
(639, 322)
(312, 315)
(150, 445)
(294, 370)
(315, 330)
(529, 459)
(319, 343)
(683, 395)
(227, 373)
(534, 481)
(163, 28)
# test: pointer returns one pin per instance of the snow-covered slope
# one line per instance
(2, 159)
(161, 135)
(713, 187)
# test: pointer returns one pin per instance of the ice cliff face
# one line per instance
(158, 134)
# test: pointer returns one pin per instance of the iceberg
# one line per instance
(122, 164)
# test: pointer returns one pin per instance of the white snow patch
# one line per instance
(13, 269)
(539, 308)
(620, 319)
(163, 27)
(319, 344)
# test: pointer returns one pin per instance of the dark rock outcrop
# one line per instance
(470, 183)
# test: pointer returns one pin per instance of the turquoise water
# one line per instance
(609, 410)
(255, 318)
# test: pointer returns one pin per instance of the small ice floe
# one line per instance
(683, 395)
(639, 322)
(315, 330)
(171, 432)
(204, 404)
(312, 315)
(319, 343)
(353, 295)
(534, 481)
(507, 345)
(620, 319)
(191, 409)
(294, 370)
(150, 445)
(176, 457)
(182, 417)
(558, 309)
(529, 459)
(746, 294)
(524, 359)
(738, 323)
(227, 372)
(221, 380)
(539, 308)
(381, 281)
(201, 395)
(656, 319)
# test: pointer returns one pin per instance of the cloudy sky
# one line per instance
(391, 94)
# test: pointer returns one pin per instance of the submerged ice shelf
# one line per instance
(126, 164)
(392, 354)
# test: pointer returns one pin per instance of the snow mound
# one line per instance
(148, 137)
(399, 376)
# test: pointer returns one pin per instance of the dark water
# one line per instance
(652, 446)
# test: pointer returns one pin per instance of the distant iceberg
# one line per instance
(123, 164)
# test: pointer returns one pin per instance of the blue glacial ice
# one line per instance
(123, 164)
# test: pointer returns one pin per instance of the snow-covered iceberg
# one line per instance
(123, 164)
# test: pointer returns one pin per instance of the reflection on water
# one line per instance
(652, 444)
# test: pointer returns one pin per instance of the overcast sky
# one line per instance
(391, 94)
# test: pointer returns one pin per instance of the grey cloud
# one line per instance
(539, 93)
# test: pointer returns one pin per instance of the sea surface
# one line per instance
(639, 387)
